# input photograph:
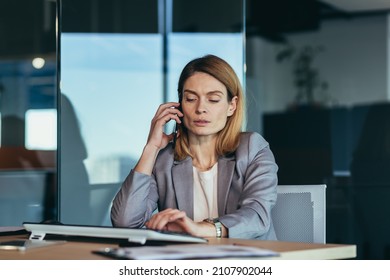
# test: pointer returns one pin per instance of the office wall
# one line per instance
(342, 143)
(354, 63)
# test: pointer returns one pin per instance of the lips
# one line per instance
(201, 122)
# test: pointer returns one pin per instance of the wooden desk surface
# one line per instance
(83, 250)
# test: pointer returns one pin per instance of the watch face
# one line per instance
(215, 220)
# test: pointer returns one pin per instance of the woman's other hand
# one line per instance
(177, 221)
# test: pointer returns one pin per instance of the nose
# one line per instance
(201, 107)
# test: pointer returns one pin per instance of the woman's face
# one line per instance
(205, 105)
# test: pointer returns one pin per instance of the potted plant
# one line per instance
(307, 79)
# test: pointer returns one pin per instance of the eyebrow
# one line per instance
(208, 93)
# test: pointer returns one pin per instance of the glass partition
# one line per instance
(118, 61)
(27, 108)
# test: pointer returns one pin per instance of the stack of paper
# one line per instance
(174, 252)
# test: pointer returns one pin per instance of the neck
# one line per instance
(203, 152)
(205, 165)
(204, 155)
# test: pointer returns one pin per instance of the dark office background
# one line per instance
(346, 146)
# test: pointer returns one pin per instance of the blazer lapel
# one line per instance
(182, 176)
(225, 176)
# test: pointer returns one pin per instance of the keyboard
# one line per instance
(40, 230)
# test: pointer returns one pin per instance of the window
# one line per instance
(115, 73)
(41, 129)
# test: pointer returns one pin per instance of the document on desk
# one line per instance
(5, 231)
(178, 252)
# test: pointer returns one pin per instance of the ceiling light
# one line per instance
(38, 62)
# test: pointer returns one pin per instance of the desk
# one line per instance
(83, 250)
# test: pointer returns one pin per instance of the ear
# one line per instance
(232, 106)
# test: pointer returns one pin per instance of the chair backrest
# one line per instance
(22, 197)
(101, 198)
(300, 213)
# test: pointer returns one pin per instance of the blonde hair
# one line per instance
(228, 138)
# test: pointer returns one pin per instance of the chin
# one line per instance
(204, 132)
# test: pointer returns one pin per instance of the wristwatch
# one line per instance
(217, 224)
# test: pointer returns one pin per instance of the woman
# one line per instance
(215, 181)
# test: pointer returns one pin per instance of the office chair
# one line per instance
(299, 214)
(22, 197)
(101, 198)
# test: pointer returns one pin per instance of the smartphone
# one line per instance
(22, 244)
(175, 129)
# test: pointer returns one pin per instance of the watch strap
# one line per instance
(218, 226)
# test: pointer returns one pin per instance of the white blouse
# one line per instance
(205, 193)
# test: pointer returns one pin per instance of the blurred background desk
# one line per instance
(72, 250)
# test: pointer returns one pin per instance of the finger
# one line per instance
(157, 126)
(165, 106)
(182, 223)
(159, 220)
(152, 222)
(173, 113)
(160, 121)
(177, 215)
(170, 220)
(165, 118)
(174, 227)
(170, 216)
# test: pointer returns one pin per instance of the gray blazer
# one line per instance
(246, 193)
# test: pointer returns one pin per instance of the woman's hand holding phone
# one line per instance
(165, 113)
(157, 138)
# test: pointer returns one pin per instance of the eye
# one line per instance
(190, 99)
(214, 100)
